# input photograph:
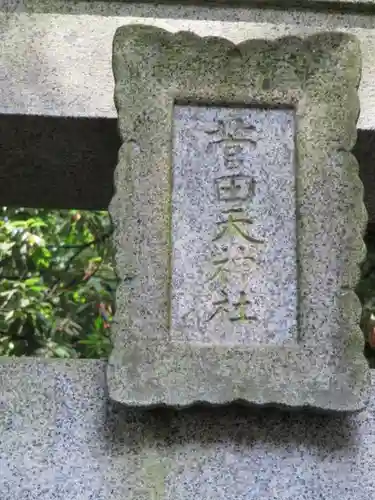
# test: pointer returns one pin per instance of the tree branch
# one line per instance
(82, 247)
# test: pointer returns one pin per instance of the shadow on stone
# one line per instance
(65, 162)
(235, 424)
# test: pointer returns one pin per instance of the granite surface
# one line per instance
(234, 269)
(323, 365)
(60, 65)
(61, 439)
(113, 7)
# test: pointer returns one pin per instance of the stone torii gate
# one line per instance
(85, 429)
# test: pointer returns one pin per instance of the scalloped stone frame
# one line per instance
(318, 77)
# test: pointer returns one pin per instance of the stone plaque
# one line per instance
(238, 220)
(234, 259)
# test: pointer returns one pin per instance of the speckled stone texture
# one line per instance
(60, 64)
(61, 439)
(318, 77)
(112, 7)
(234, 281)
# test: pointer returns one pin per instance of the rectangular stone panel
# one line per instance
(239, 156)
(234, 271)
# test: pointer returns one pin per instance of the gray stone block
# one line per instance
(112, 7)
(60, 65)
(238, 230)
(61, 439)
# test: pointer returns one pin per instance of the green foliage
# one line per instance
(57, 283)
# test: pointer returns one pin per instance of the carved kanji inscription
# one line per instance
(234, 276)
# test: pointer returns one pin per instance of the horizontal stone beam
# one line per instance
(60, 65)
(61, 438)
(57, 162)
(58, 130)
(107, 7)
(62, 162)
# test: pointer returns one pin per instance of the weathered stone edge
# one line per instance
(352, 337)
